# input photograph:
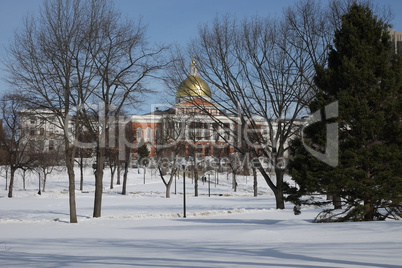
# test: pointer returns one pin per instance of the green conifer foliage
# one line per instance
(366, 79)
(143, 154)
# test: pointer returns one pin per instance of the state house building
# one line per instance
(194, 123)
(194, 126)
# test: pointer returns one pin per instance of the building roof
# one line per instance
(193, 86)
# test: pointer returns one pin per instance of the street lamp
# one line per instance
(184, 164)
(209, 185)
(144, 167)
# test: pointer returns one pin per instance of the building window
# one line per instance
(207, 133)
(207, 150)
(149, 134)
(41, 145)
(215, 130)
(139, 134)
(51, 145)
(226, 131)
(199, 148)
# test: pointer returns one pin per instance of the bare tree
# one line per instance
(75, 54)
(195, 131)
(14, 137)
(42, 63)
(82, 153)
(44, 162)
(261, 71)
(122, 61)
(125, 127)
(112, 155)
(169, 146)
(24, 173)
(3, 151)
(3, 155)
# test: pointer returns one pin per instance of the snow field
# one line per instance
(145, 229)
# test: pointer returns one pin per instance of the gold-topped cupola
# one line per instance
(193, 86)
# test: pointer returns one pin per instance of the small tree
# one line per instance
(44, 163)
(83, 153)
(112, 156)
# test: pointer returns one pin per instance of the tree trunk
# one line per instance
(11, 186)
(168, 189)
(276, 189)
(71, 184)
(169, 183)
(337, 201)
(369, 211)
(112, 172)
(99, 183)
(124, 191)
(195, 181)
(280, 200)
(6, 178)
(23, 179)
(234, 182)
(255, 183)
(81, 174)
(118, 174)
(44, 181)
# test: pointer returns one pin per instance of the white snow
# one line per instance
(145, 229)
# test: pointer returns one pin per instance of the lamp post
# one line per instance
(144, 172)
(209, 185)
(216, 172)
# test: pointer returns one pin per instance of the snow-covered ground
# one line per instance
(145, 229)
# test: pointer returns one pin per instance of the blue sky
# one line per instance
(168, 20)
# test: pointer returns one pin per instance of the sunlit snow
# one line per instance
(145, 229)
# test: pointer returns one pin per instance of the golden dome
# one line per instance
(193, 86)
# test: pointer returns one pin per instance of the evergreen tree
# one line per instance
(143, 154)
(366, 79)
